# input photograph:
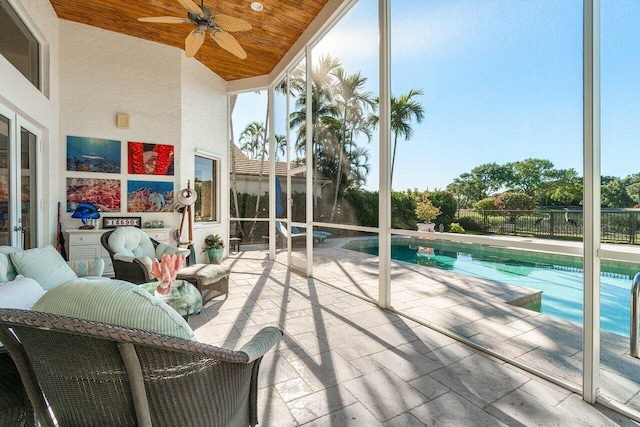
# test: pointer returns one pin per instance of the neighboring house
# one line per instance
(248, 175)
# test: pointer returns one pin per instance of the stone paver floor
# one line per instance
(345, 362)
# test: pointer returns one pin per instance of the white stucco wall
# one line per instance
(104, 73)
(204, 127)
(39, 108)
(170, 99)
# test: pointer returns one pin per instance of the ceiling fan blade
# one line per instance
(193, 42)
(229, 43)
(191, 6)
(165, 20)
(229, 23)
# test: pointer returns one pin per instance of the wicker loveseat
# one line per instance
(127, 377)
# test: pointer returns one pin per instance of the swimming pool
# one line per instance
(561, 285)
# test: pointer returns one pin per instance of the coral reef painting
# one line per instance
(149, 196)
(104, 193)
(150, 159)
(93, 155)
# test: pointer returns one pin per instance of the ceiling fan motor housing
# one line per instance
(204, 21)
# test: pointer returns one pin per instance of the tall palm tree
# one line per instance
(403, 110)
(281, 145)
(322, 107)
(351, 102)
(254, 141)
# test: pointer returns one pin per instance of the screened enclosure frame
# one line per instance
(591, 250)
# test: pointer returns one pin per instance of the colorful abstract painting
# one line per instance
(104, 193)
(149, 196)
(93, 155)
(150, 159)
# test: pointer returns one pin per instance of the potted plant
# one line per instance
(426, 212)
(214, 246)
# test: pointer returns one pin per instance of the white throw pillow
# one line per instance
(20, 293)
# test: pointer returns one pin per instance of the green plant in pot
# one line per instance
(426, 212)
(214, 246)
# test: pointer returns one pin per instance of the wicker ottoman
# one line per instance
(211, 280)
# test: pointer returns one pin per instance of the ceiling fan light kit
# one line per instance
(218, 25)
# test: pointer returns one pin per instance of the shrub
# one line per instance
(456, 228)
(470, 223)
(426, 212)
(487, 204)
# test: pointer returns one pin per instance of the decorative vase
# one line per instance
(427, 226)
(215, 255)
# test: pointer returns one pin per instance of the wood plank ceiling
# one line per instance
(275, 29)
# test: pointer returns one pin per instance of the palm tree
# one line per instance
(351, 103)
(254, 141)
(281, 145)
(322, 107)
(403, 110)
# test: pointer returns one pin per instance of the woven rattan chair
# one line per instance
(135, 269)
(15, 408)
(95, 374)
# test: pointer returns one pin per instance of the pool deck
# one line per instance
(478, 310)
(345, 362)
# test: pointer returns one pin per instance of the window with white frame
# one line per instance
(18, 45)
(205, 184)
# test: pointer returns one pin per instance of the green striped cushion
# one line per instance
(4, 267)
(116, 302)
(11, 271)
(87, 267)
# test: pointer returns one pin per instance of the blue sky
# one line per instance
(502, 82)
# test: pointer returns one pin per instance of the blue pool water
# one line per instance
(561, 286)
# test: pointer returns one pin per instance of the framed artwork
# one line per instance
(104, 193)
(149, 196)
(150, 159)
(93, 155)
(121, 221)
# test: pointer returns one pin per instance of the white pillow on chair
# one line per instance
(22, 293)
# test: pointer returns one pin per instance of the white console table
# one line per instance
(85, 244)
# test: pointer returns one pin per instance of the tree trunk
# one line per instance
(393, 158)
(338, 180)
(265, 141)
(234, 181)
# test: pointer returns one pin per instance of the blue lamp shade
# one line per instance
(86, 211)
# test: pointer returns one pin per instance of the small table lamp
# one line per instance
(86, 211)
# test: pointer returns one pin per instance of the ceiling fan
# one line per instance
(217, 24)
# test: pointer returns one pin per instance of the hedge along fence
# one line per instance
(354, 208)
(617, 225)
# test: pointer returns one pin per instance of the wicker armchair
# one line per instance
(104, 375)
(15, 408)
(132, 250)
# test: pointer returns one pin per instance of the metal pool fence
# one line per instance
(617, 225)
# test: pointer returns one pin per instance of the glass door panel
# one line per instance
(28, 200)
(5, 238)
(19, 214)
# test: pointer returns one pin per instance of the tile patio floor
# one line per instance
(345, 362)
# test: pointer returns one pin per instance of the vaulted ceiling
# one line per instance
(275, 29)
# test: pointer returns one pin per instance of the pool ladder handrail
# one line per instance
(635, 316)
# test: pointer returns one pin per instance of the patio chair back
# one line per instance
(99, 374)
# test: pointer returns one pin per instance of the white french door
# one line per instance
(20, 201)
